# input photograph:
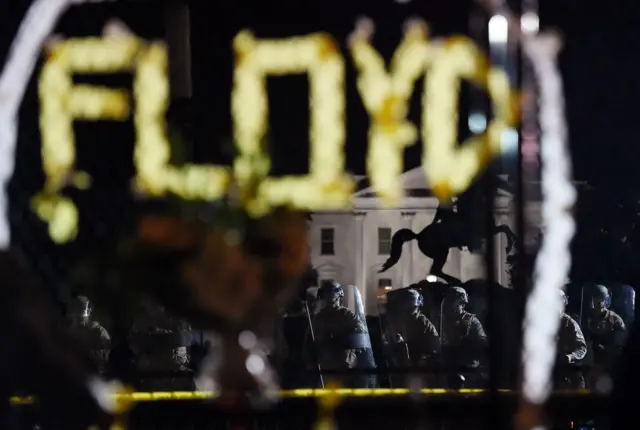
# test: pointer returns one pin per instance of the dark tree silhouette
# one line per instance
(607, 241)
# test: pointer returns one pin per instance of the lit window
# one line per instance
(384, 241)
(384, 286)
(327, 241)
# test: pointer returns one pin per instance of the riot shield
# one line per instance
(623, 302)
(578, 305)
(366, 358)
(339, 340)
(359, 311)
(311, 347)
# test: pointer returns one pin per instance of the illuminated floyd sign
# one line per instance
(385, 93)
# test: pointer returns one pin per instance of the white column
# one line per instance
(406, 262)
(472, 266)
(360, 258)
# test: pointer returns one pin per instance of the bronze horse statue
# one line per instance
(449, 229)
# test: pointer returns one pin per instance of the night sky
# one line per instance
(600, 64)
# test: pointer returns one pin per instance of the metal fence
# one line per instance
(465, 411)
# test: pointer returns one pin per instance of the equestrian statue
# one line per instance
(456, 225)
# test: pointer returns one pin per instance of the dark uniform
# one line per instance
(339, 337)
(412, 339)
(572, 349)
(40, 357)
(272, 334)
(464, 340)
(160, 344)
(89, 334)
(605, 332)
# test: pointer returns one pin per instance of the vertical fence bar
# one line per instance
(478, 108)
(503, 54)
(529, 146)
(528, 180)
(178, 36)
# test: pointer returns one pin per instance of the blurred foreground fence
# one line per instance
(450, 409)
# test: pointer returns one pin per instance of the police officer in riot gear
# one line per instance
(463, 338)
(341, 337)
(572, 349)
(89, 333)
(409, 324)
(605, 327)
(605, 332)
(413, 339)
(160, 344)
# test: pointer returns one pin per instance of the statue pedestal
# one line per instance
(471, 266)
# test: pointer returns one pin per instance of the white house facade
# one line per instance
(351, 246)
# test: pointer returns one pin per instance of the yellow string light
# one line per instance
(326, 186)
(386, 97)
(155, 176)
(385, 94)
(334, 393)
(451, 168)
(60, 102)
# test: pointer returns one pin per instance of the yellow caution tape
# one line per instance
(142, 397)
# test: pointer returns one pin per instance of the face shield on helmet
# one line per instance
(414, 299)
(79, 308)
(456, 299)
(600, 298)
(331, 292)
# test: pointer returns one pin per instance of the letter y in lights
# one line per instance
(386, 96)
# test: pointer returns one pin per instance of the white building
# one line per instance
(351, 246)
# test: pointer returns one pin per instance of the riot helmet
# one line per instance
(564, 299)
(331, 292)
(414, 298)
(600, 298)
(79, 309)
(456, 299)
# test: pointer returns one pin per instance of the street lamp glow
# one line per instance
(477, 123)
(509, 141)
(530, 23)
(498, 29)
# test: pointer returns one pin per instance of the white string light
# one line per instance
(24, 52)
(34, 30)
(544, 307)
(559, 193)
